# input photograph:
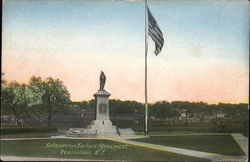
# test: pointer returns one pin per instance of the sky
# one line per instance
(204, 57)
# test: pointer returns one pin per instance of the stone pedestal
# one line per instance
(102, 126)
(102, 123)
(102, 105)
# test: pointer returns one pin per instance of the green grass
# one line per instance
(221, 144)
(198, 127)
(37, 148)
(32, 135)
(165, 126)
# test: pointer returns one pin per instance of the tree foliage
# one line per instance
(51, 93)
(17, 99)
(43, 96)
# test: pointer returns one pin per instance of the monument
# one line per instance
(102, 125)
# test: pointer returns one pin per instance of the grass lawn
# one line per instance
(221, 144)
(87, 149)
(199, 127)
(32, 135)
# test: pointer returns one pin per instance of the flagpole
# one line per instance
(146, 51)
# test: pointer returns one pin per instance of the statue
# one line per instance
(102, 81)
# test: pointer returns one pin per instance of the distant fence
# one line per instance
(83, 119)
(65, 120)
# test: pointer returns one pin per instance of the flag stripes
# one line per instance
(155, 33)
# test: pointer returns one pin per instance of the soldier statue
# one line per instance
(102, 81)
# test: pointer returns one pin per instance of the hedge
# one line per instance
(25, 129)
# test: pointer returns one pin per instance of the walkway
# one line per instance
(199, 154)
(242, 142)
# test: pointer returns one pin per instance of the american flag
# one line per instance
(155, 33)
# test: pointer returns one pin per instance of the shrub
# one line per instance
(22, 129)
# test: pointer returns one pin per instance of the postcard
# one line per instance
(125, 80)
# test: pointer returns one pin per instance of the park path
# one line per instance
(242, 142)
(199, 154)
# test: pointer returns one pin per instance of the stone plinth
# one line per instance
(126, 132)
(102, 105)
(81, 132)
(102, 126)
(102, 123)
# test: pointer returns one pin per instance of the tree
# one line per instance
(51, 93)
(16, 98)
(125, 107)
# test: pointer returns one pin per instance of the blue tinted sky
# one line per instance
(206, 46)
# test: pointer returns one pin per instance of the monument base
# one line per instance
(126, 132)
(81, 132)
(98, 128)
(103, 128)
